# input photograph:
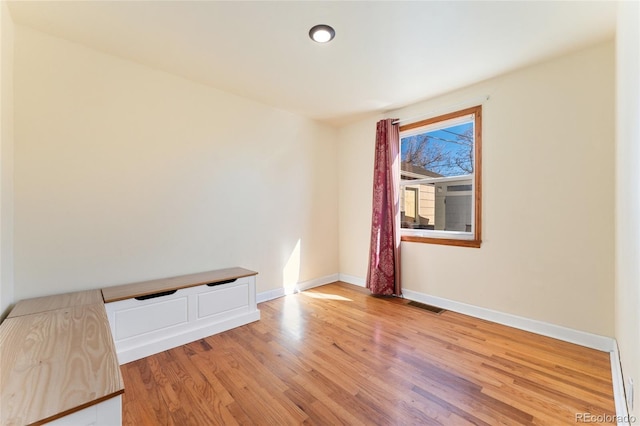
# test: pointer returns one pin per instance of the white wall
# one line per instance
(6, 159)
(548, 197)
(125, 173)
(627, 320)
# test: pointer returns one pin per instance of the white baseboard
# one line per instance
(306, 285)
(619, 395)
(269, 295)
(594, 341)
(350, 279)
(301, 286)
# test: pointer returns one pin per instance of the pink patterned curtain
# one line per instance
(383, 276)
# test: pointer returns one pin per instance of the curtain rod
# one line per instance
(439, 111)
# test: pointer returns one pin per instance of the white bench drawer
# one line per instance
(219, 302)
(150, 317)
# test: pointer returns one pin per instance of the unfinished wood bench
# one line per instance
(58, 363)
(152, 316)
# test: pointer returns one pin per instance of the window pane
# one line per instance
(439, 206)
(417, 206)
(439, 158)
(446, 151)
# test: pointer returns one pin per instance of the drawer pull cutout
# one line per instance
(151, 296)
(221, 282)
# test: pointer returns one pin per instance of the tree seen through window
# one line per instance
(445, 152)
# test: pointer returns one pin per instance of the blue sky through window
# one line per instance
(447, 151)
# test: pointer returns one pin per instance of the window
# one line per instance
(440, 171)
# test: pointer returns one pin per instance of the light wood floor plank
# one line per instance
(336, 355)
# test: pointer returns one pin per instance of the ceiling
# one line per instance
(386, 54)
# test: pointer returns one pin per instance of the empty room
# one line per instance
(319, 212)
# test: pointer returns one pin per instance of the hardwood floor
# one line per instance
(335, 355)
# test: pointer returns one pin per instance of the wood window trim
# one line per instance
(476, 241)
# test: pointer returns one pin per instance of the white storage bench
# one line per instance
(153, 316)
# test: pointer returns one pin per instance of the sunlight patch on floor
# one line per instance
(325, 296)
(291, 317)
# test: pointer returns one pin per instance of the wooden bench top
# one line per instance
(145, 288)
(56, 362)
(57, 354)
(58, 301)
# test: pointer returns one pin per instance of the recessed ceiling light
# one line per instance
(322, 33)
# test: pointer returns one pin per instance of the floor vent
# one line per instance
(429, 308)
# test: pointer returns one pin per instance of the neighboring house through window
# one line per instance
(440, 171)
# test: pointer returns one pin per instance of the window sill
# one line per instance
(475, 243)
